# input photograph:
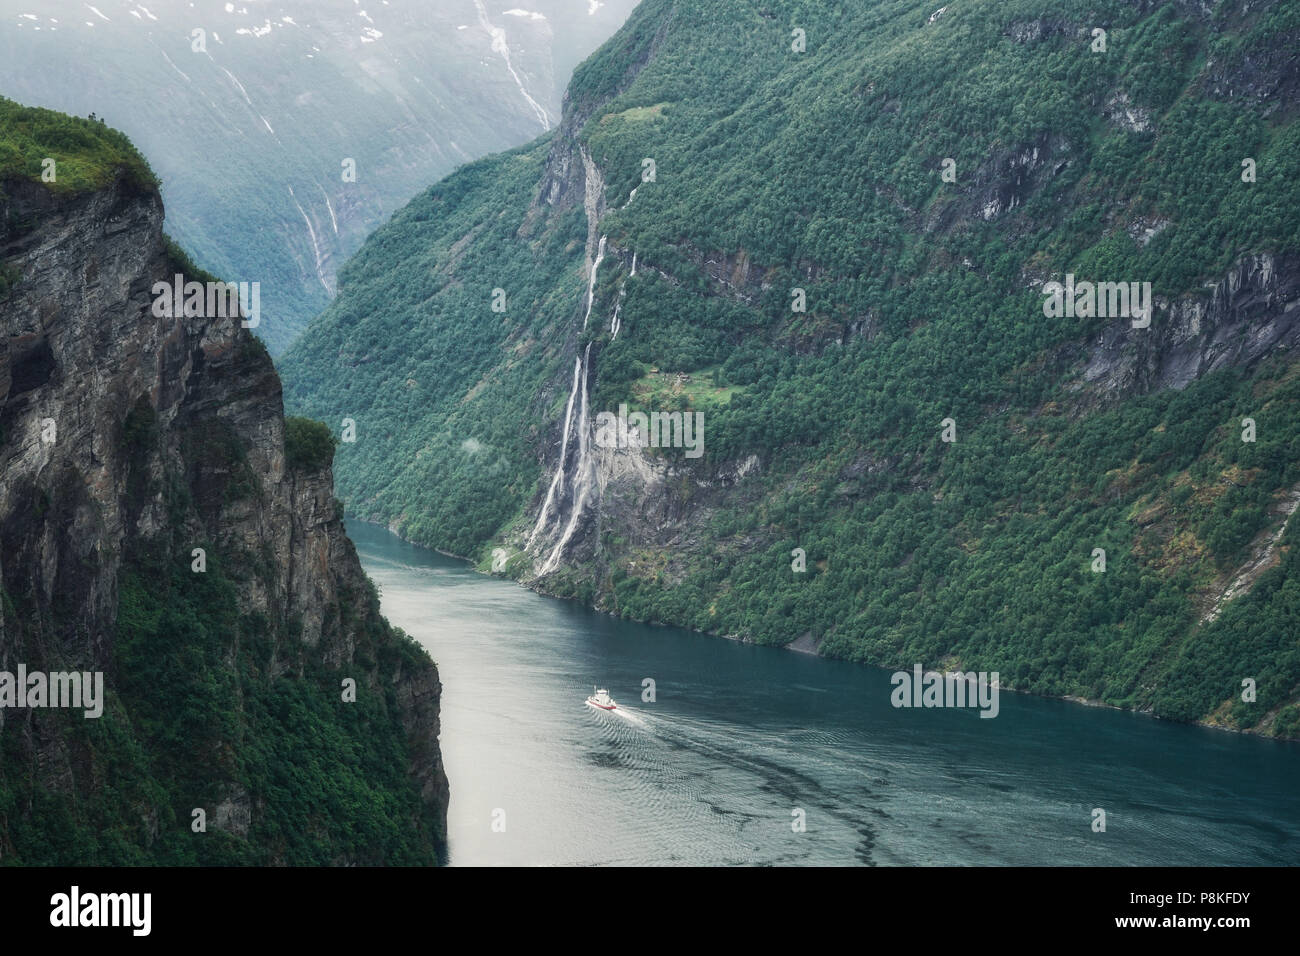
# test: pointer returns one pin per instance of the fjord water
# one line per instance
(741, 736)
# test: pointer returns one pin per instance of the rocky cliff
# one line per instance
(1251, 313)
(153, 529)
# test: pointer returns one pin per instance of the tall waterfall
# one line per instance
(614, 323)
(557, 483)
(583, 471)
(591, 285)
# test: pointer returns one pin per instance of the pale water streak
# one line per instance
(557, 482)
(583, 473)
(740, 736)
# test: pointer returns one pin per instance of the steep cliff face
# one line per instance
(130, 441)
(599, 491)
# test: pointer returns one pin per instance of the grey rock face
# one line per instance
(85, 364)
(1250, 313)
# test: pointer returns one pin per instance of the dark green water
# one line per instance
(741, 736)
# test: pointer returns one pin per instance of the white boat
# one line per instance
(602, 699)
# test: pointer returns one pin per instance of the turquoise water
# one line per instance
(740, 737)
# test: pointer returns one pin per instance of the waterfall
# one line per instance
(582, 473)
(614, 323)
(634, 263)
(591, 285)
(582, 484)
(558, 481)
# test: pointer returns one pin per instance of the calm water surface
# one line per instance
(741, 736)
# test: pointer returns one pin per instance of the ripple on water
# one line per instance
(743, 737)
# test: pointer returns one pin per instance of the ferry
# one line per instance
(602, 699)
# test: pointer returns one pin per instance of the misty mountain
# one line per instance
(250, 110)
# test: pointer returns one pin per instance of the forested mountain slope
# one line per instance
(828, 228)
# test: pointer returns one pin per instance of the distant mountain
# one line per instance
(249, 128)
(832, 232)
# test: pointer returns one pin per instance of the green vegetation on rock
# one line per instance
(87, 154)
(308, 445)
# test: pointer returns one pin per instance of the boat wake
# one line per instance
(635, 719)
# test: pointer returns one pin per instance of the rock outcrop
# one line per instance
(127, 441)
(1251, 313)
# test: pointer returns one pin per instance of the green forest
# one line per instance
(821, 169)
(86, 153)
